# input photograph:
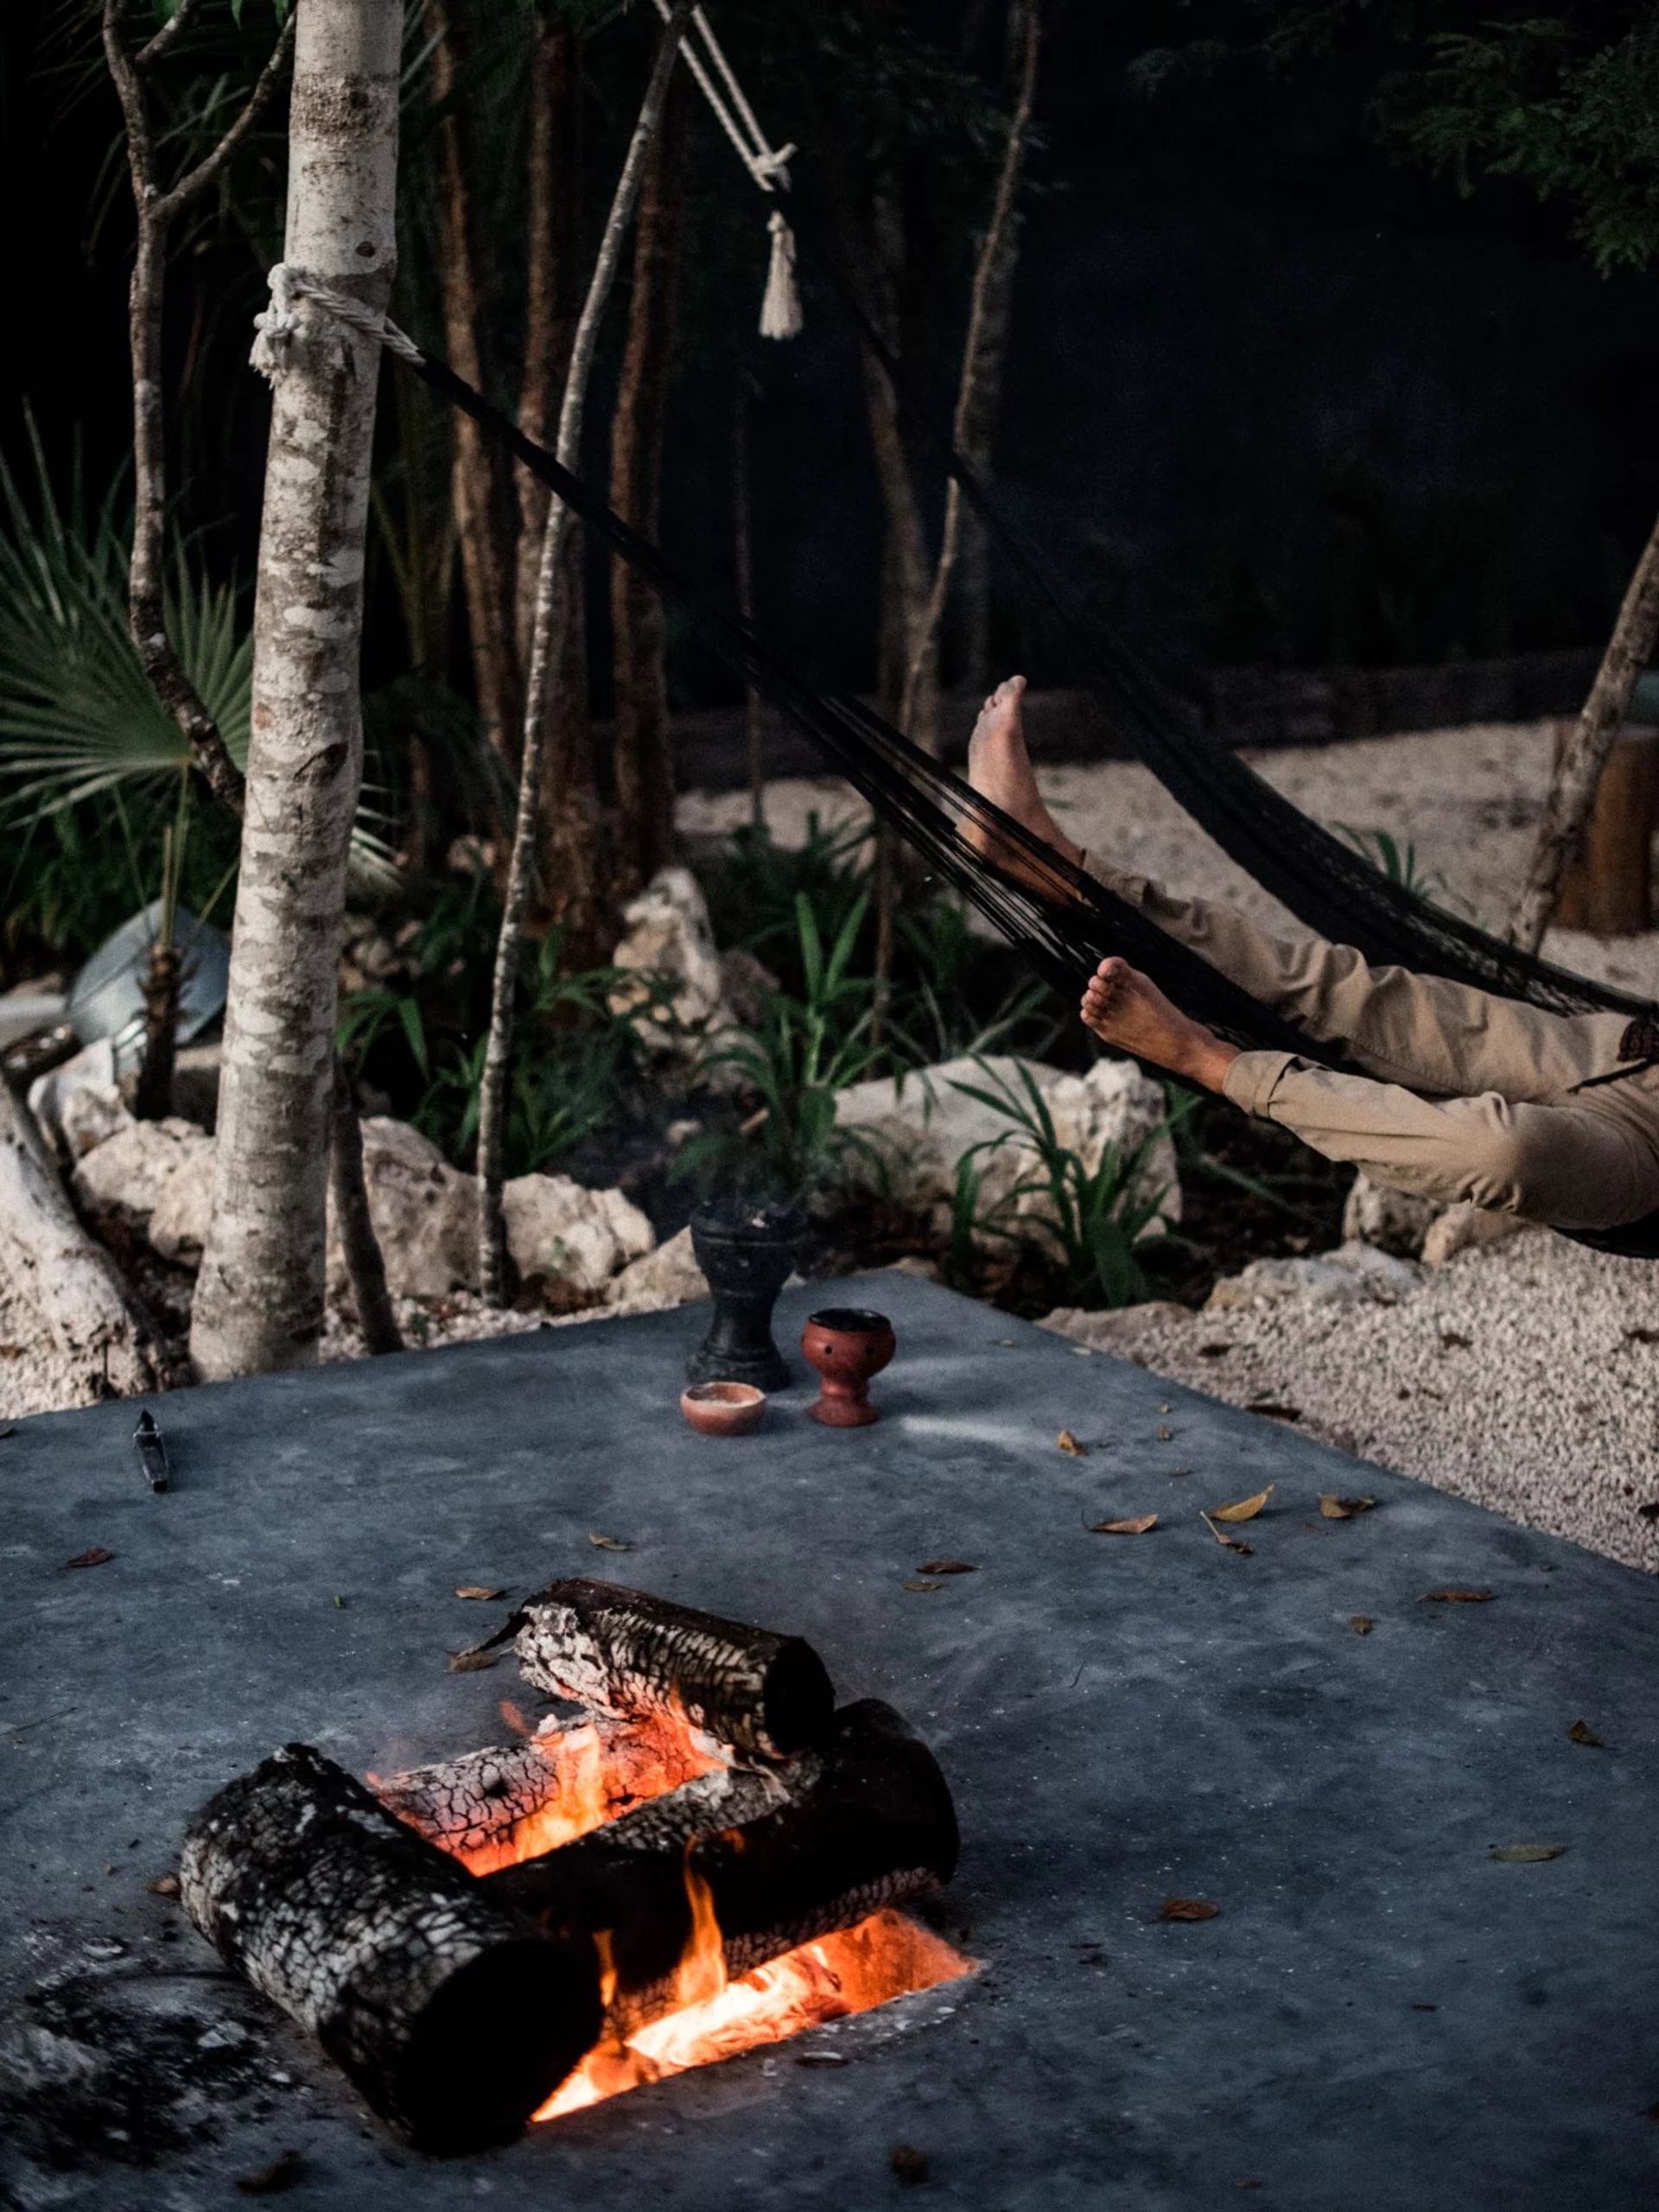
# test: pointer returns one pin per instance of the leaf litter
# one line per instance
(1138, 1526)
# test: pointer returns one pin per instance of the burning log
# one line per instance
(491, 1809)
(865, 1821)
(623, 1652)
(455, 2016)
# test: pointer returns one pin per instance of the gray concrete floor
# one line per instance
(1381, 2015)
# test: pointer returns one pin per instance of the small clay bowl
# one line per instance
(723, 1409)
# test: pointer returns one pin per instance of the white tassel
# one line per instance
(780, 310)
(276, 325)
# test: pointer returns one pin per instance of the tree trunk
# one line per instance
(1573, 788)
(1608, 889)
(743, 587)
(59, 1273)
(645, 769)
(476, 480)
(259, 1297)
(574, 833)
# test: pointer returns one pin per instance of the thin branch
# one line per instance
(141, 145)
(194, 181)
(546, 638)
(168, 35)
(990, 253)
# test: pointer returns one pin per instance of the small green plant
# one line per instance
(1399, 863)
(806, 1050)
(1089, 1233)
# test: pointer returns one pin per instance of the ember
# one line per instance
(703, 1859)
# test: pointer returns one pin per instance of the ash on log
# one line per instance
(455, 2016)
(867, 1821)
(622, 1651)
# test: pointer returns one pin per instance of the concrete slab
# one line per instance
(1381, 2015)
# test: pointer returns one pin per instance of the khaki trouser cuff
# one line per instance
(1252, 1077)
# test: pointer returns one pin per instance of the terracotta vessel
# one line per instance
(723, 1409)
(746, 1255)
(847, 1345)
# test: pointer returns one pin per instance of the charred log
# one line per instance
(455, 2018)
(865, 1821)
(623, 1652)
(492, 1807)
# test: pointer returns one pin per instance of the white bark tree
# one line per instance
(259, 1299)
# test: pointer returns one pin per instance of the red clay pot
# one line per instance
(847, 1345)
(723, 1409)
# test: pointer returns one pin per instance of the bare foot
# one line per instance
(1125, 1008)
(999, 768)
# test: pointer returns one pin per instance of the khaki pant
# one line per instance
(1466, 1096)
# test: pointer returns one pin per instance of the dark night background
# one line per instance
(1276, 398)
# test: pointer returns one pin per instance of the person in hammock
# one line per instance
(1466, 1096)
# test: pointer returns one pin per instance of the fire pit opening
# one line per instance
(696, 1854)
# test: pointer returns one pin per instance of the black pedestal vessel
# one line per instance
(748, 1254)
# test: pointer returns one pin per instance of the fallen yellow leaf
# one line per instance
(1525, 1854)
(609, 1544)
(1343, 1509)
(1067, 1442)
(477, 1589)
(919, 1582)
(1361, 1623)
(470, 1662)
(1246, 1510)
(1137, 1528)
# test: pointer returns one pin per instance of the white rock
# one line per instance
(184, 1209)
(1393, 1221)
(1461, 1227)
(79, 1104)
(922, 1126)
(574, 1239)
(669, 950)
(668, 1276)
(1116, 1329)
(1354, 1274)
(425, 1213)
(126, 1175)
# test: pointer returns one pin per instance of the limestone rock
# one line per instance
(425, 1213)
(1354, 1274)
(184, 1209)
(1393, 1221)
(79, 1104)
(668, 1276)
(671, 964)
(922, 1126)
(126, 1175)
(573, 1239)
(1119, 1330)
(1461, 1227)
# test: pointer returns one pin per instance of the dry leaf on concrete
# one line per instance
(1582, 1732)
(1245, 1509)
(1525, 1854)
(470, 1662)
(1361, 1623)
(1343, 1509)
(96, 1557)
(1188, 1909)
(1069, 1443)
(919, 1582)
(1456, 1598)
(477, 1589)
(609, 1544)
(947, 1567)
(1136, 1527)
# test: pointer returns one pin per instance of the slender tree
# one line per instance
(259, 1297)
(546, 648)
(645, 768)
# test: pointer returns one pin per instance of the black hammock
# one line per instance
(1063, 920)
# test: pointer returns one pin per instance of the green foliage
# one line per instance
(806, 1049)
(1088, 1234)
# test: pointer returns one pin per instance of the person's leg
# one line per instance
(1588, 1165)
(1423, 1031)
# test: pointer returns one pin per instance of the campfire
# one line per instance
(694, 1854)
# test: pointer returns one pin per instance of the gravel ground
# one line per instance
(1524, 1375)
